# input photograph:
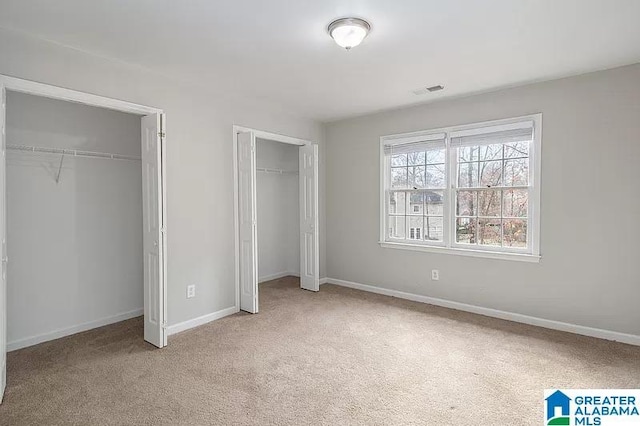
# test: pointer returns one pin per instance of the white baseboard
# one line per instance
(186, 325)
(56, 334)
(630, 339)
(276, 276)
(323, 280)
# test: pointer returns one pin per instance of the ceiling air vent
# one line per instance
(425, 90)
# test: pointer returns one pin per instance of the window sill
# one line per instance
(518, 257)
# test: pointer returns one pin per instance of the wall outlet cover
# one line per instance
(191, 291)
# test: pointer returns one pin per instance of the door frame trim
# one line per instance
(259, 134)
(60, 93)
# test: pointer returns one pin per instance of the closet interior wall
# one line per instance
(74, 246)
(278, 209)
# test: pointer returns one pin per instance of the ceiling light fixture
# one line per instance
(349, 32)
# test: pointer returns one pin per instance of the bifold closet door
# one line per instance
(309, 243)
(153, 230)
(248, 245)
(3, 239)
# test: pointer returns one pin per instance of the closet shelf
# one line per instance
(276, 171)
(72, 152)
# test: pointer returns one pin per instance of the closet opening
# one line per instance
(277, 193)
(81, 217)
(74, 218)
(276, 206)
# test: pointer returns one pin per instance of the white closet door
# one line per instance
(3, 239)
(247, 221)
(153, 233)
(309, 244)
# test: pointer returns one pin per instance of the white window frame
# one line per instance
(449, 245)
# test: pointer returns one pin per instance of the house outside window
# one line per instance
(471, 189)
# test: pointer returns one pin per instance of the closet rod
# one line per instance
(73, 152)
(277, 171)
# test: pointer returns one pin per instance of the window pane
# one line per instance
(516, 172)
(491, 152)
(399, 177)
(415, 227)
(467, 203)
(489, 203)
(417, 177)
(490, 173)
(434, 228)
(489, 232)
(435, 176)
(515, 233)
(416, 200)
(466, 230)
(397, 203)
(468, 153)
(397, 227)
(435, 202)
(416, 158)
(399, 160)
(516, 149)
(435, 156)
(515, 203)
(467, 175)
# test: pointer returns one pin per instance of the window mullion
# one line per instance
(502, 183)
(407, 206)
(451, 168)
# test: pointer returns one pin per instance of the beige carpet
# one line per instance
(336, 357)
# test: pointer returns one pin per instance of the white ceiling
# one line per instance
(278, 50)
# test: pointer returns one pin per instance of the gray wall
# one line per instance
(199, 159)
(278, 210)
(589, 213)
(75, 246)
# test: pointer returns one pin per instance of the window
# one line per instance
(470, 189)
(415, 233)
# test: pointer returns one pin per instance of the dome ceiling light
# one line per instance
(349, 32)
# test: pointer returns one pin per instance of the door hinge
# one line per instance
(162, 134)
(164, 325)
(163, 230)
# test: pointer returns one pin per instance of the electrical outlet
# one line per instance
(191, 291)
(435, 274)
